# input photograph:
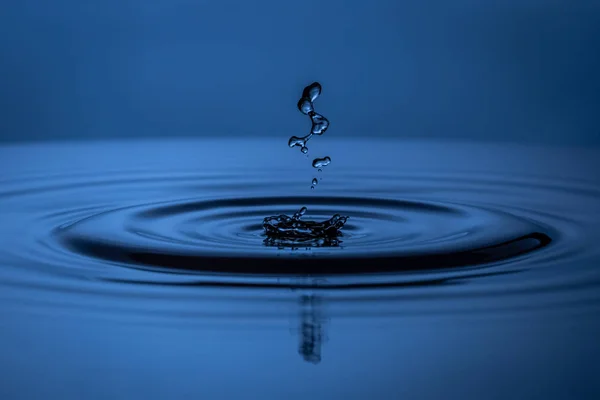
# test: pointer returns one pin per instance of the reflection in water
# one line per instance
(306, 244)
(311, 328)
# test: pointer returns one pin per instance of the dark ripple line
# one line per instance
(424, 283)
(313, 265)
(295, 200)
(247, 317)
(478, 294)
(122, 181)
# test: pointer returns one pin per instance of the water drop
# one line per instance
(304, 149)
(315, 182)
(312, 91)
(319, 124)
(305, 105)
(320, 170)
(295, 141)
(299, 213)
(321, 162)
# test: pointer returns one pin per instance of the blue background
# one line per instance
(525, 71)
(512, 70)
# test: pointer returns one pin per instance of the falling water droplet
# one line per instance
(321, 162)
(320, 170)
(300, 142)
(305, 105)
(319, 123)
(315, 182)
(312, 91)
(299, 213)
(296, 141)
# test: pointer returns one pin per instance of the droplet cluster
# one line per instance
(319, 125)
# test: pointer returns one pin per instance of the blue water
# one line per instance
(141, 269)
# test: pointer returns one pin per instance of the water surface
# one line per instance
(463, 269)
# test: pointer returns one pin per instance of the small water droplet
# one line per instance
(315, 182)
(320, 170)
(321, 162)
(312, 91)
(305, 105)
(304, 149)
(299, 213)
(312, 187)
(319, 124)
(295, 141)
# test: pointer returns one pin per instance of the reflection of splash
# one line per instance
(311, 329)
(304, 244)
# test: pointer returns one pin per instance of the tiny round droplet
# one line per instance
(315, 182)
(304, 149)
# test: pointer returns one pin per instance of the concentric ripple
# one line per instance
(434, 225)
(225, 236)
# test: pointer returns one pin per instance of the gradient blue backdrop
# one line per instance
(481, 70)
(510, 70)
